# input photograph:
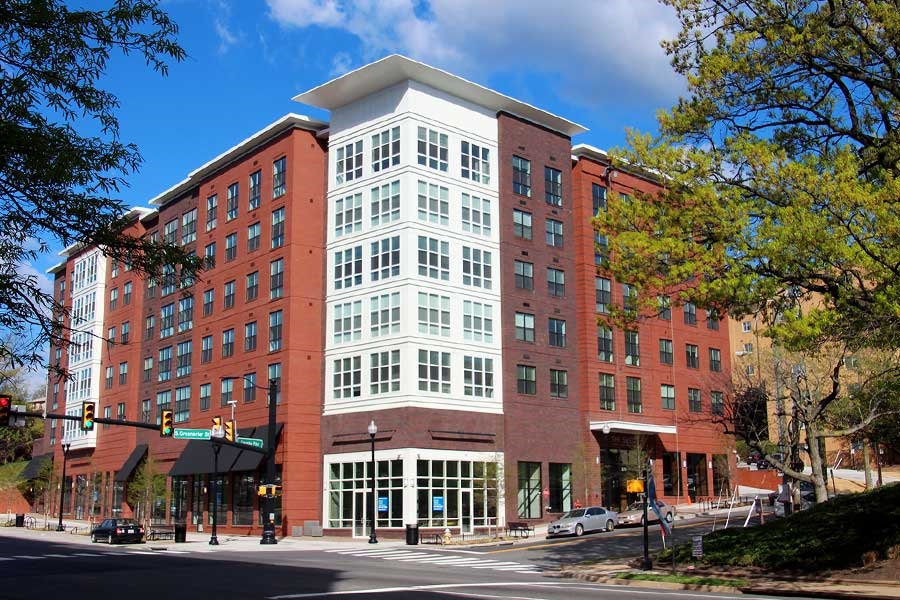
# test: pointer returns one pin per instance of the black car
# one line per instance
(113, 531)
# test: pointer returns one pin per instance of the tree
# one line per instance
(780, 170)
(147, 487)
(61, 160)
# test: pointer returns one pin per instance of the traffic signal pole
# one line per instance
(268, 534)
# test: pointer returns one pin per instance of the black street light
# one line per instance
(62, 486)
(214, 487)
(373, 429)
(604, 480)
(646, 563)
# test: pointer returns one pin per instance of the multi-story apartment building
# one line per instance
(426, 263)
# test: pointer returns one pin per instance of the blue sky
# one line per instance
(596, 62)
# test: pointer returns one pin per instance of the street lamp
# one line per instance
(604, 480)
(214, 485)
(646, 563)
(373, 429)
(62, 486)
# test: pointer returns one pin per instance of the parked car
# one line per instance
(114, 531)
(634, 514)
(582, 520)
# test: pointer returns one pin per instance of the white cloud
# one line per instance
(594, 52)
(226, 38)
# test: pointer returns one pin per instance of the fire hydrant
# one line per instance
(447, 535)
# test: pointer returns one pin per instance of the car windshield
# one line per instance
(636, 506)
(578, 512)
(121, 522)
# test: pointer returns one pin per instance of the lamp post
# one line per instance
(604, 480)
(214, 486)
(646, 563)
(373, 429)
(62, 486)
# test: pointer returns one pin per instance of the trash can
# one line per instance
(180, 533)
(412, 534)
(20, 520)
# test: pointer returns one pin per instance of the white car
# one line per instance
(579, 521)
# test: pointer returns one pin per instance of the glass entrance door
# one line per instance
(360, 523)
(465, 511)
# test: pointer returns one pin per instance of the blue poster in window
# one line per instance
(382, 504)
(437, 503)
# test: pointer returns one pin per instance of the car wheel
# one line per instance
(109, 539)
(669, 518)
(579, 529)
(610, 525)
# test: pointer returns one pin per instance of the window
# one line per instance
(692, 356)
(250, 331)
(598, 198)
(432, 149)
(249, 387)
(274, 376)
(278, 228)
(165, 364)
(254, 189)
(384, 314)
(526, 379)
(524, 275)
(603, 293)
(212, 212)
(167, 320)
(349, 165)
(347, 267)
(206, 349)
(384, 372)
(120, 411)
(252, 286)
(476, 215)
(529, 497)
(717, 403)
(182, 404)
(553, 186)
(145, 410)
(126, 293)
(168, 280)
(226, 391)
(109, 377)
(227, 343)
(208, 297)
(522, 224)
(749, 370)
(209, 255)
(632, 349)
(559, 383)
(748, 347)
(385, 203)
(434, 258)
(347, 322)
(604, 343)
(601, 250)
(386, 149)
(521, 176)
(434, 203)
(607, 391)
(348, 215)
(712, 319)
(557, 329)
(183, 355)
(113, 298)
(346, 378)
(554, 230)
(434, 371)
(230, 247)
(126, 332)
(746, 326)
(185, 314)
(205, 395)
(695, 403)
(715, 360)
(666, 352)
(434, 314)
(229, 293)
(279, 168)
(524, 327)
(170, 232)
(629, 299)
(664, 310)
(477, 270)
(478, 322)
(385, 259)
(276, 278)
(478, 376)
(149, 327)
(556, 282)
(690, 313)
(633, 394)
(475, 163)
(667, 396)
(111, 335)
(163, 402)
(148, 368)
(275, 330)
(231, 202)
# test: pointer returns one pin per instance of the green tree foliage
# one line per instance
(780, 172)
(147, 486)
(62, 163)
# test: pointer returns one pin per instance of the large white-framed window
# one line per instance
(434, 203)
(478, 321)
(385, 258)
(478, 376)
(476, 215)
(347, 322)
(477, 270)
(347, 377)
(349, 165)
(434, 314)
(434, 258)
(384, 372)
(386, 149)
(475, 161)
(434, 371)
(432, 149)
(348, 214)
(385, 203)
(384, 314)
(347, 268)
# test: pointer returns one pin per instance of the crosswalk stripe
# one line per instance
(26, 556)
(53, 556)
(86, 554)
(5, 558)
(143, 553)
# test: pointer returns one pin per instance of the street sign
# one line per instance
(191, 434)
(255, 442)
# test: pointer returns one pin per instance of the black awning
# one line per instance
(249, 461)
(34, 466)
(131, 463)
(197, 458)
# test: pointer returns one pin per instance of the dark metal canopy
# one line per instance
(198, 458)
(131, 463)
(34, 466)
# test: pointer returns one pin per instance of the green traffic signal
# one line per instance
(87, 416)
(166, 427)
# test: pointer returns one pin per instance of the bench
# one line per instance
(519, 529)
(161, 532)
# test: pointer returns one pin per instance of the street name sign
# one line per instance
(191, 434)
(255, 442)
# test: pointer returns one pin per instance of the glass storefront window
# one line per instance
(243, 492)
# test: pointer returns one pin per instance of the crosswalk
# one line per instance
(434, 558)
(139, 551)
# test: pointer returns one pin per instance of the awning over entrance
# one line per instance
(131, 463)
(631, 427)
(34, 466)
(198, 458)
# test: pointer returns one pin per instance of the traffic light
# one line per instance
(166, 427)
(5, 404)
(87, 416)
(262, 489)
(229, 431)
(276, 490)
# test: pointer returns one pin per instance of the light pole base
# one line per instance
(268, 537)
(60, 528)
(213, 540)
(373, 539)
(646, 563)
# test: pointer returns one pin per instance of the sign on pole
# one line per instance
(255, 442)
(191, 434)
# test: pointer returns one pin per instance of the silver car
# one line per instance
(634, 514)
(582, 520)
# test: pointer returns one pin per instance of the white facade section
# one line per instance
(413, 293)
